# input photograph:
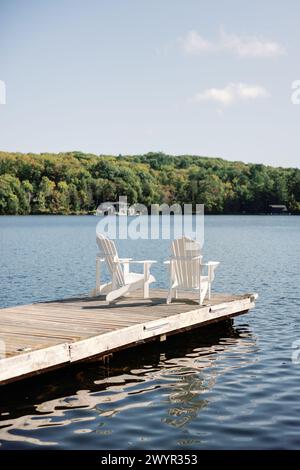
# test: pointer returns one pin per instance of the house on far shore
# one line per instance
(116, 208)
(278, 209)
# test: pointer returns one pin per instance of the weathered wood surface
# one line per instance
(40, 336)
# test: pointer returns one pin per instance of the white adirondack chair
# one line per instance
(123, 281)
(186, 269)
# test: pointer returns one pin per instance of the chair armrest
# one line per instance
(211, 263)
(180, 258)
(211, 266)
(125, 260)
(146, 261)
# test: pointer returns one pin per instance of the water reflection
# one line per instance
(171, 382)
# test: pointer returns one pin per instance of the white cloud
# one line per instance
(250, 46)
(193, 43)
(231, 93)
(242, 46)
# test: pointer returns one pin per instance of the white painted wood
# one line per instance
(98, 274)
(29, 362)
(214, 308)
(186, 269)
(146, 277)
(123, 281)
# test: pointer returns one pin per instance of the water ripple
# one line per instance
(228, 386)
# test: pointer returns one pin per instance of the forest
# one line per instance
(76, 183)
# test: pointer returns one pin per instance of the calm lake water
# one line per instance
(230, 386)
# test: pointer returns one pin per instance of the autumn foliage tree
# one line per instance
(76, 183)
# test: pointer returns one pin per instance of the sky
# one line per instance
(124, 77)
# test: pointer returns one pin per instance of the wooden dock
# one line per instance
(43, 336)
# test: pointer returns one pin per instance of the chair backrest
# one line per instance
(187, 271)
(109, 252)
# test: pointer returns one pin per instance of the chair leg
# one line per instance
(202, 293)
(209, 291)
(169, 298)
(116, 294)
(200, 299)
(146, 290)
(98, 264)
(146, 280)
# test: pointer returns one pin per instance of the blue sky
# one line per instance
(127, 76)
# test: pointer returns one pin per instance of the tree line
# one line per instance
(76, 183)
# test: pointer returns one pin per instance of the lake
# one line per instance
(229, 386)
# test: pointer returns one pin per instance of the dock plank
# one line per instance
(40, 336)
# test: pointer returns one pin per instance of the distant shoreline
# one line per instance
(75, 183)
(172, 215)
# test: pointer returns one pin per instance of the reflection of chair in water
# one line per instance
(178, 367)
(187, 396)
(185, 400)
